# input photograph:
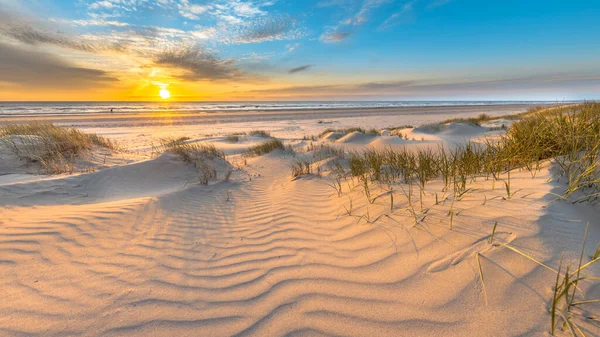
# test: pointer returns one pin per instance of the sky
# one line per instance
(244, 50)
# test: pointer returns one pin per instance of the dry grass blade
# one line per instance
(481, 277)
(264, 148)
(528, 257)
(54, 147)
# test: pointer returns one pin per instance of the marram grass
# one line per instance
(53, 147)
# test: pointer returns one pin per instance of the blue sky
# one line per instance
(284, 49)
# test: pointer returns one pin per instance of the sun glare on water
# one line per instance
(164, 93)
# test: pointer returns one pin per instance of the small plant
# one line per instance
(53, 147)
(301, 166)
(493, 232)
(260, 133)
(265, 148)
(565, 299)
(233, 138)
(346, 131)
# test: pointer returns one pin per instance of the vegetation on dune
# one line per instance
(190, 152)
(264, 148)
(349, 130)
(473, 120)
(233, 138)
(567, 136)
(260, 133)
(54, 147)
(301, 166)
(197, 154)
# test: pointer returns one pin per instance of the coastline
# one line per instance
(217, 117)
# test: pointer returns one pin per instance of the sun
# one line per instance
(164, 93)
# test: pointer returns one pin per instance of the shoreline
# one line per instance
(217, 117)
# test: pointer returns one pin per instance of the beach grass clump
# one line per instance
(301, 166)
(53, 147)
(260, 133)
(473, 120)
(264, 148)
(566, 303)
(346, 131)
(324, 151)
(232, 138)
(202, 156)
(569, 136)
(191, 152)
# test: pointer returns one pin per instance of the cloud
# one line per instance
(92, 22)
(291, 47)
(342, 30)
(334, 36)
(300, 69)
(267, 29)
(367, 7)
(191, 11)
(405, 15)
(407, 89)
(385, 85)
(197, 65)
(33, 69)
(33, 36)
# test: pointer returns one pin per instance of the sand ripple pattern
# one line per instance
(278, 259)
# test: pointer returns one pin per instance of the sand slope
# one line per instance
(183, 261)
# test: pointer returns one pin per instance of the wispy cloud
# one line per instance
(431, 88)
(405, 15)
(92, 22)
(334, 36)
(279, 27)
(300, 69)
(291, 47)
(197, 65)
(367, 7)
(343, 29)
(33, 69)
(27, 34)
(191, 11)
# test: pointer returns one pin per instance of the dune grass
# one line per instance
(565, 299)
(54, 147)
(569, 136)
(264, 148)
(260, 133)
(197, 154)
(191, 152)
(301, 166)
(473, 120)
(349, 130)
(232, 138)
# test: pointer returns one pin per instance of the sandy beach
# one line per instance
(131, 244)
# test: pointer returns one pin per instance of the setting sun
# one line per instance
(164, 93)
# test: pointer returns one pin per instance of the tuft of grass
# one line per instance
(260, 133)
(265, 148)
(473, 120)
(200, 155)
(233, 138)
(349, 130)
(301, 166)
(191, 152)
(565, 298)
(570, 136)
(54, 147)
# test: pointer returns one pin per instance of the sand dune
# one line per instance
(142, 249)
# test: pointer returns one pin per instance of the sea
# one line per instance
(86, 108)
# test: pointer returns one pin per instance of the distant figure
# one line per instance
(111, 110)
